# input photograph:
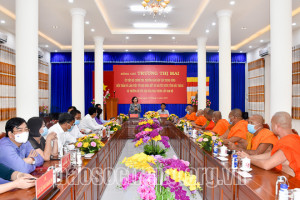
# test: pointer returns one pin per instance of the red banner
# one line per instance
(152, 84)
(44, 183)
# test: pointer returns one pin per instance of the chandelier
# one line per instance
(155, 6)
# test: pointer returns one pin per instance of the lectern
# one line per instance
(111, 108)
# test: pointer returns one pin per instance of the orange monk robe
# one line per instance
(191, 116)
(290, 146)
(221, 127)
(264, 136)
(210, 125)
(201, 121)
(239, 130)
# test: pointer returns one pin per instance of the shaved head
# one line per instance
(206, 110)
(200, 112)
(217, 114)
(282, 119)
(257, 119)
(236, 113)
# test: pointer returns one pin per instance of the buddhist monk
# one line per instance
(285, 155)
(262, 139)
(237, 131)
(201, 120)
(191, 115)
(221, 125)
(210, 123)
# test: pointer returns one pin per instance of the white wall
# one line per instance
(254, 55)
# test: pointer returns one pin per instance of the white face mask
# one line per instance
(22, 137)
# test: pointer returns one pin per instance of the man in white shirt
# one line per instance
(163, 110)
(62, 129)
(88, 123)
(76, 132)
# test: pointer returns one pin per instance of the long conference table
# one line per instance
(217, 179)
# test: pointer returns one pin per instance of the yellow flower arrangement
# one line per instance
(139, 142)
(112, 126)
(187, 179)
(151, 114)
(157, 138)
(140, 161)
(148, 129)
(86, 145)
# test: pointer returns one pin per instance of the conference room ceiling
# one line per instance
(114, 20)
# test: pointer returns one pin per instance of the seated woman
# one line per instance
(98, 117)
(135, 108)
(43, 147)
(19, 180)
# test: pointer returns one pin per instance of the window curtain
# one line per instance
(61, 87)
(256, 90)
(7, 83)
(296, 83)
(43, 85)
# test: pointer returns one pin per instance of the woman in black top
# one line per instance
(43, 147)
(135, 108)
(20, 180)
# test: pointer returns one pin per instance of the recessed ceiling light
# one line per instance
(55, 27)
(93, 30)
(150, 25)
(173, 38)
(250, 47)
(71, 1)
(243, 28)
(2, 21)
(214, 23)
(150, 50)
(126, 50)
(139, 8)
(241, 51)
(232, 3)
(46, 45)
(55, 50)
(87, 22)
(127, 37)
(173, 50)
(149, 37)
(294, 24)
(207, 31)
(261, 41)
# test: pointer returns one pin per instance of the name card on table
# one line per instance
(134, 116)
(65, 162)
(164, 115)
(44, 184)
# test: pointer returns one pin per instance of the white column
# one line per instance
(201, 72)
(27, 99)
(281, 56)
(99, 70)
(78, 58)
(224, 61)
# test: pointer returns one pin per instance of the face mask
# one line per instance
(251, 128)
(22, 137)
(77, 122)
(45, 131)
(229, 121)
(69, 130)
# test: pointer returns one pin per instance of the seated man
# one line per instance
(238, 131)
(71, 108)
(63, 129)
(285, 155)
(209, 125)
(163, 110)
(221, 125)
(191, 115)
(75, 131)
(263, 139)
(88, 123)
(16, 151)
(201, 120)
(19, 180)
